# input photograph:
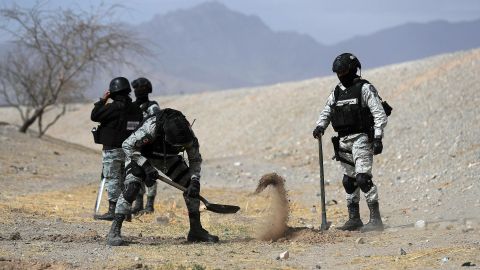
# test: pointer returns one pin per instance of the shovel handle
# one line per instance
(180, 187)
(324, 225)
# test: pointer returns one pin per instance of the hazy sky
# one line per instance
(325, 20)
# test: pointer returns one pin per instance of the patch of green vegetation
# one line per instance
(198, 267)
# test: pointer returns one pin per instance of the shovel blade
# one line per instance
(221, 208)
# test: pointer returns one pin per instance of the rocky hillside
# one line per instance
(431, 135)
(428, 173)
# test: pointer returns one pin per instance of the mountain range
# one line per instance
(210, 47)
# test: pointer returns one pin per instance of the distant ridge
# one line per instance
(210, 47)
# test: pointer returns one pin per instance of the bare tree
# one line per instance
(55, 56)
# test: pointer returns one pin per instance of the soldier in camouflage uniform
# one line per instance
(356, 113)
(117, 120)
(142, 87)
(157, 145)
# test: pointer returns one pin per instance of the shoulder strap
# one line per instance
(336, 92)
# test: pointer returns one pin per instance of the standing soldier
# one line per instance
(117, 120)
(142, 87)
(357, 114)
(157, 144)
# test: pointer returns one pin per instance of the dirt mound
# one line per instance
(312, 236)
(274, 225)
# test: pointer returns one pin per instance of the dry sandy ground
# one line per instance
(429, 171)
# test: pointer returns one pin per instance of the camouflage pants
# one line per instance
(113, 162)
(176, 170)
(361, 154)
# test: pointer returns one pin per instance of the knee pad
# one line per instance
(134, 169)
(349, 184)
(131, 191)
(364, 181)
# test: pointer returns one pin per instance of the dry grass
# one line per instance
(164, 245)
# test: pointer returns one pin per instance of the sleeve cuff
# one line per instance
(100, 101)
(141, 161)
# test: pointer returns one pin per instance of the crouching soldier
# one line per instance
(157, 145)
(357, 113)
(142, 87)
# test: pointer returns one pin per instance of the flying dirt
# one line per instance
(275, 224)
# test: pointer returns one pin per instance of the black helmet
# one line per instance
(177, 130)
(119, 84)
(142, 86)
(346, 62)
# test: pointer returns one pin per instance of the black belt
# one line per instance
(337, 149)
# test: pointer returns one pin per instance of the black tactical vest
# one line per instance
(113, 133)
(160, 148)
(348, 115)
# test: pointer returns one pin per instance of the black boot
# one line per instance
(114, 237)
(375, 223)
(149, 204)
(354, 222)
(197, 233)
(138, 205)
(110, 214)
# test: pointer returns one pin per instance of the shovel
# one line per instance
(216, 208)
(99, 195)
(324, 225)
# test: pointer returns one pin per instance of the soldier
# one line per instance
(117, 120)
(356, 113)
(156, 145)
(142, 87)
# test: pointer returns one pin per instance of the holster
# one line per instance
(336, 150)
(96, 135)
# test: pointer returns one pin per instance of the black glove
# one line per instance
(318, 131)
(377, 146)
(193, 189)
(151, 174)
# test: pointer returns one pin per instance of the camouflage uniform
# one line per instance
(171, 165)
(113, 161)
(117, 121)
(152, 108)
(162, 145)
(358, 144)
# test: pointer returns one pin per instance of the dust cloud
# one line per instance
(274, 225)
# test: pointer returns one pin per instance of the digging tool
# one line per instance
(99, 195)
(324, 225)
(216, 208)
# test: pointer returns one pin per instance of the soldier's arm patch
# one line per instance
(147, 139)
(373, 90)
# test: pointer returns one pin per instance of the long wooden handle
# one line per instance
(324, 225)
(167, 180)
(171, 183)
